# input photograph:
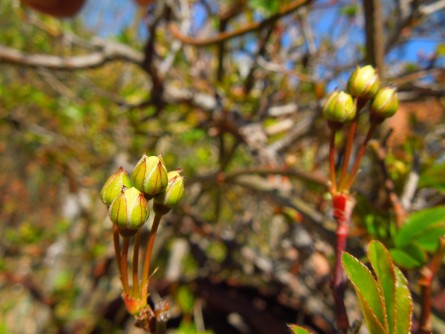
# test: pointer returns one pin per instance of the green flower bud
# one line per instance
(339, 107)
(150, 175)
(166, 200)
(129, 211)
(363, 82)
(385, 103)
(113, 187)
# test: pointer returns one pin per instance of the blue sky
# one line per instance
(109, 17)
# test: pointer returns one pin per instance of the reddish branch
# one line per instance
(427, 275)
(248, 28)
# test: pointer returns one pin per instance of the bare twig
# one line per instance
(248, 28)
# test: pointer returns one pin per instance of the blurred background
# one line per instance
(230, 91)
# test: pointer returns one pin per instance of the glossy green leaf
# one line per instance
(366, 288)
(409, 257)
(420, 224)
(383, 267)
(373, 324)
(404, 304)
(298, 330)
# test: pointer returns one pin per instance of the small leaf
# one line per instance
(298, 330)
(384, 269)
(418, 224)
(404, 304)
(366, 287)
(409, 257)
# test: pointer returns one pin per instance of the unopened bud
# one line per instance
(363, 82)
(339, 108)
(150, 175)
(113, 187)
(385, 103)
(129, 211)
(172, 195)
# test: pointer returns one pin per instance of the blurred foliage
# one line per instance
(63, 132)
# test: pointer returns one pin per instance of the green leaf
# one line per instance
(404, 304)
(419, 224)
(298, 330)
(409, 257)
(434, 176)
(429, 240)
(384, 269)
(367, 290)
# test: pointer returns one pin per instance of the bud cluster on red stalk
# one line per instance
(129, 210)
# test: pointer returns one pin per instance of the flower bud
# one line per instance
(172, 195)
(363, 82)
(385, 103)
(129, 211)
(339, 108)
(150, 175)
(113, 187)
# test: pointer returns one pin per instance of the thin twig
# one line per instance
(251, 27)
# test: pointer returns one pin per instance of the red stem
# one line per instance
(360, 154)
(425, 282)
(151, 240)
(342, 205)
(332, 160)
(117, 252)
(137, 239)
(124, 265)
(344, 169)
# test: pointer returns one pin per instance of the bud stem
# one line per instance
(124, 264)
(137, 239)
(332, 160)
(360, 154)
(360, 103)
(151, 240)
(116, 243)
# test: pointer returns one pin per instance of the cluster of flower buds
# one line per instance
(127, 199)
(363, 85)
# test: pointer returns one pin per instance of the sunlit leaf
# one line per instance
(298, 330)
(404, 304)
(367, 290)
(384, 269)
